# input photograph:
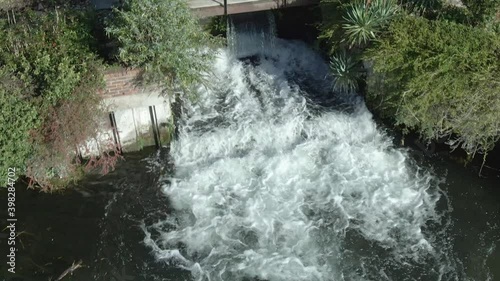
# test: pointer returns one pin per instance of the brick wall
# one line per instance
(121, 82)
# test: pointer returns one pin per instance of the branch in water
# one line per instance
(70, 270)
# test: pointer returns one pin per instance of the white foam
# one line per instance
(263, 187)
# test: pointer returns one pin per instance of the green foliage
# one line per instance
(346, 71)
(454, 14)
(440, 79)
(164, 39)
(360, 23)
(217, 26)
(422, 7)
(19, 117)
(49, 78)
(485, 13)
(384, 10)
(47, 51)
(331, 32)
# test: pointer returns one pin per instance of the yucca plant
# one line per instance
(365, 19)
(346, 71)
(360, 24)
(384, 10)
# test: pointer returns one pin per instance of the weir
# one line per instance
(138, 116)
(141, 116)
(278, 178)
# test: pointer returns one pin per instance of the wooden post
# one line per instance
(154, 123)
(225, 8)
(157, 126)
(116, 136)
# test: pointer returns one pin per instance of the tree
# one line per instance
(49, 82)
(164, 39)
(440, 79)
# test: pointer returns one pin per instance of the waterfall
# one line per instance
(270, 184)
(243, 32)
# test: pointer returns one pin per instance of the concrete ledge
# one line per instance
(210, 8)
(143, 99)
(140, 116)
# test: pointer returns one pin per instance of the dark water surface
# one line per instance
(98, 221)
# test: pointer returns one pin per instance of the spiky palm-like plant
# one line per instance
(364, 19)
(384, 10)
(346, 71)
(360, 24)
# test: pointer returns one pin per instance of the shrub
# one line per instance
(75, 124)
(217, 26)
(440, 79)
(19, 117)
(485, 13)
(164, 39)
(422, 7)
(48, 51)
(48, 55)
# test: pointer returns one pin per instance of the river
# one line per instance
(272, 177)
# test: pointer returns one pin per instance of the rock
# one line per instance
(456, 3)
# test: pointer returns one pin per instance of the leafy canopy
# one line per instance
(47, 51)
(49, 78)
(164, 39)
(441, 79)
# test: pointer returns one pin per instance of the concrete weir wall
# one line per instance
(140, 116)
(210, 8)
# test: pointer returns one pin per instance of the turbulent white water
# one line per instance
(269, 186)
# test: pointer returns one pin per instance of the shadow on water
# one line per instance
(97, 221)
